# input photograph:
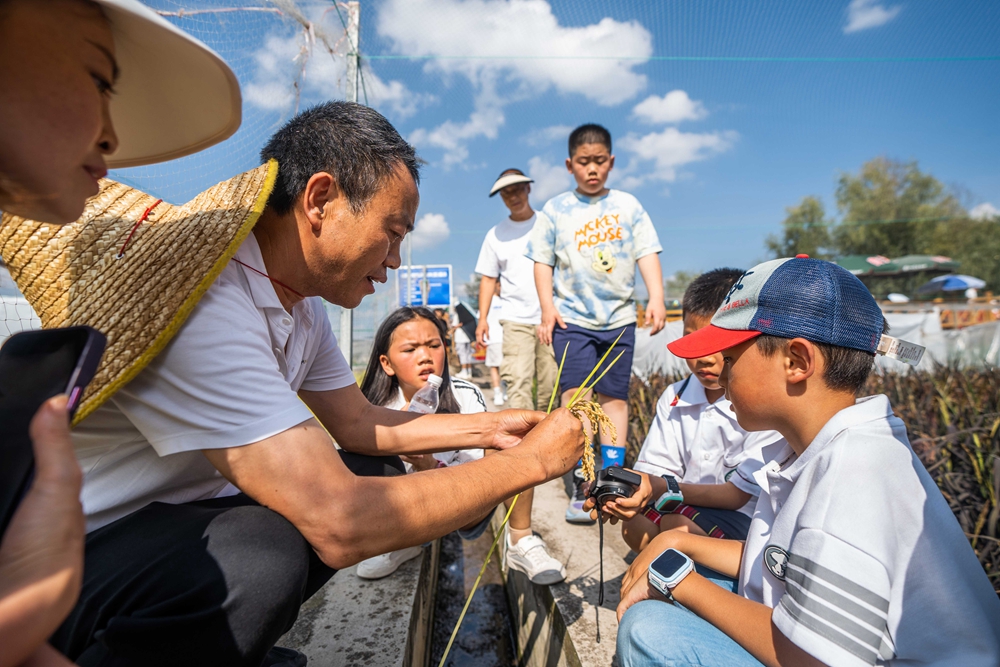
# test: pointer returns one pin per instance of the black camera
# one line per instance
(614, 482)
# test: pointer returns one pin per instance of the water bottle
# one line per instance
(425, 401)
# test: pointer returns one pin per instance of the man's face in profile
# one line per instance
(353, 251)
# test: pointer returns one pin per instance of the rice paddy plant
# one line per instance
(952, 417)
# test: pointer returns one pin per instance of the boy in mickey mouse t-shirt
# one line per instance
(586, 245)
(853, 556)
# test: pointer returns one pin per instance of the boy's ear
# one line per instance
(611, 163)
(386, 366)
(801, 360)
(569, 165)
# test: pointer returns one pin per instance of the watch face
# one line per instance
(668, 563)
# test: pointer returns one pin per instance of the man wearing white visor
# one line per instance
(502, 260)
(87, 86)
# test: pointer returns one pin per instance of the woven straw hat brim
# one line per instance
(73, 274)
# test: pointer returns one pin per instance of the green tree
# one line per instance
(804, 230)
(891, 208)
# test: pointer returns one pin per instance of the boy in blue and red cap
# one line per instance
(853, 556)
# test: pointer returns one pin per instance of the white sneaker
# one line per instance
(498, 398)
(384, 565)
(530, 556)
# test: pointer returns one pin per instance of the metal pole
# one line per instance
(353, 60)
(409, 269)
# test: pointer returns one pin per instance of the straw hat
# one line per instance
(133, 267)
(174, 95)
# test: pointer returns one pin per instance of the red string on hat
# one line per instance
(273, 280)
(121, 253)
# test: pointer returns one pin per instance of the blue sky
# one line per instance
(723, 113)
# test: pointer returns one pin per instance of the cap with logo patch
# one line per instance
(794, 297)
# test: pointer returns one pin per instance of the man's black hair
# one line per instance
(846, 369)
(512, 170)
(707, 292)
(353, 143)
(591, 133)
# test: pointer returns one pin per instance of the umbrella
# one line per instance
(862, 265)
(953, 282)
(912, 263)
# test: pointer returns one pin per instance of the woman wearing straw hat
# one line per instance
(76, 78)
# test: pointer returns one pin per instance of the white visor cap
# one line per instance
(509, 179)
(174, 95)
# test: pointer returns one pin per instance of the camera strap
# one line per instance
(600, 589)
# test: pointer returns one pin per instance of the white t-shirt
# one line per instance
(502, 256)
(701, 443)
(592, 245)
(470, 401)
(493, 319)
(461, 338)
(229, 378)
(860, 556)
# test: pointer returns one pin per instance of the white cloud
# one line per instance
(865, 14)
(668, 151)
(431, 230)
(452, 137)
(546, 135)
(550, 179)
(512, 50)
(984, 211)
(314, 59)
(673, 107)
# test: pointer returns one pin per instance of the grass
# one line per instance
(952, 417)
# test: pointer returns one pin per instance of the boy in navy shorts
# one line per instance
(853, 556)
(586, 245)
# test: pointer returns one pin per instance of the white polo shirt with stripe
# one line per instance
(702, 443)
(860, 556)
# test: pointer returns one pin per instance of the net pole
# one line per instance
(353, 23)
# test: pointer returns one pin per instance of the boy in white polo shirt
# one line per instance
(695, 445)
(853, 556)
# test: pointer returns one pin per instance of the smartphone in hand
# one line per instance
(34, 367)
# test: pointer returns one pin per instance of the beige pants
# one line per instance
(524, 358)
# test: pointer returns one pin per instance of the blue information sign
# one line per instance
(429, 285)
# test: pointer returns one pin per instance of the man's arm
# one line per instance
(299, 474)
(487, 288)
(652, 275)
(550, 316)
(363, 428)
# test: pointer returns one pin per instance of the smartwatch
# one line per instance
(668, 570)
(672, 499)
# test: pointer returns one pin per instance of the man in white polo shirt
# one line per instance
(215, 499)
(853, 556)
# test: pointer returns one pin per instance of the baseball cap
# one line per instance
(174, 95)
(509, 179)
(794, 297)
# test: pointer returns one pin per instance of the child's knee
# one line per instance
(638, 531)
